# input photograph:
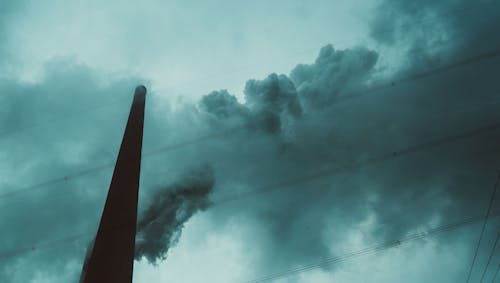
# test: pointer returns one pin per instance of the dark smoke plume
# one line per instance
(160, 226)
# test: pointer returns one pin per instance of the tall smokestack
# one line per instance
(112, 256)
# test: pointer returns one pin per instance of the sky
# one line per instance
(282, 138)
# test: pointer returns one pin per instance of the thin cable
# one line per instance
(355, 41)
(48, 244)
(56, 180)
(423, 74)
(285, 184)
(346, 97)
(115, 101)
(490, 205)
(356, 164)
(496, 274)
(369, 250)
(490, 257)
(457, 11)
(420, 235)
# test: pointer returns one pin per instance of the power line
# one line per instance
(369, 250)
(371, 160)
(490, 257)
(424, 74)
(420, 235)
(84, 111)
(48, 244)
(490, 205)
(345, 97)
(76, 113)
(352, 165)
(56, 180)
(355, 164)
(385, 30)
(496, 274)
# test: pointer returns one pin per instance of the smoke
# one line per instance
(160, 225)
(270, 105)
(333, 72)
(301, 129)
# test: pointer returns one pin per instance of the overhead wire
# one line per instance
(392, 154)
(490, 257)
(76, 113)
(92, 109)
(442, 228)
(496, 274)
(388, 29)
(345, 97)
(369, 250)
(483, 227)
(368, 161)
(16, 252)
(371, 160)
(355, 164)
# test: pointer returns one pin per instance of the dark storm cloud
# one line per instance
(161, 223)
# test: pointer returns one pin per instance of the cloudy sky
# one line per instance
(285, 141)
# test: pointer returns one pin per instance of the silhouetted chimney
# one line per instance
(111, 257)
